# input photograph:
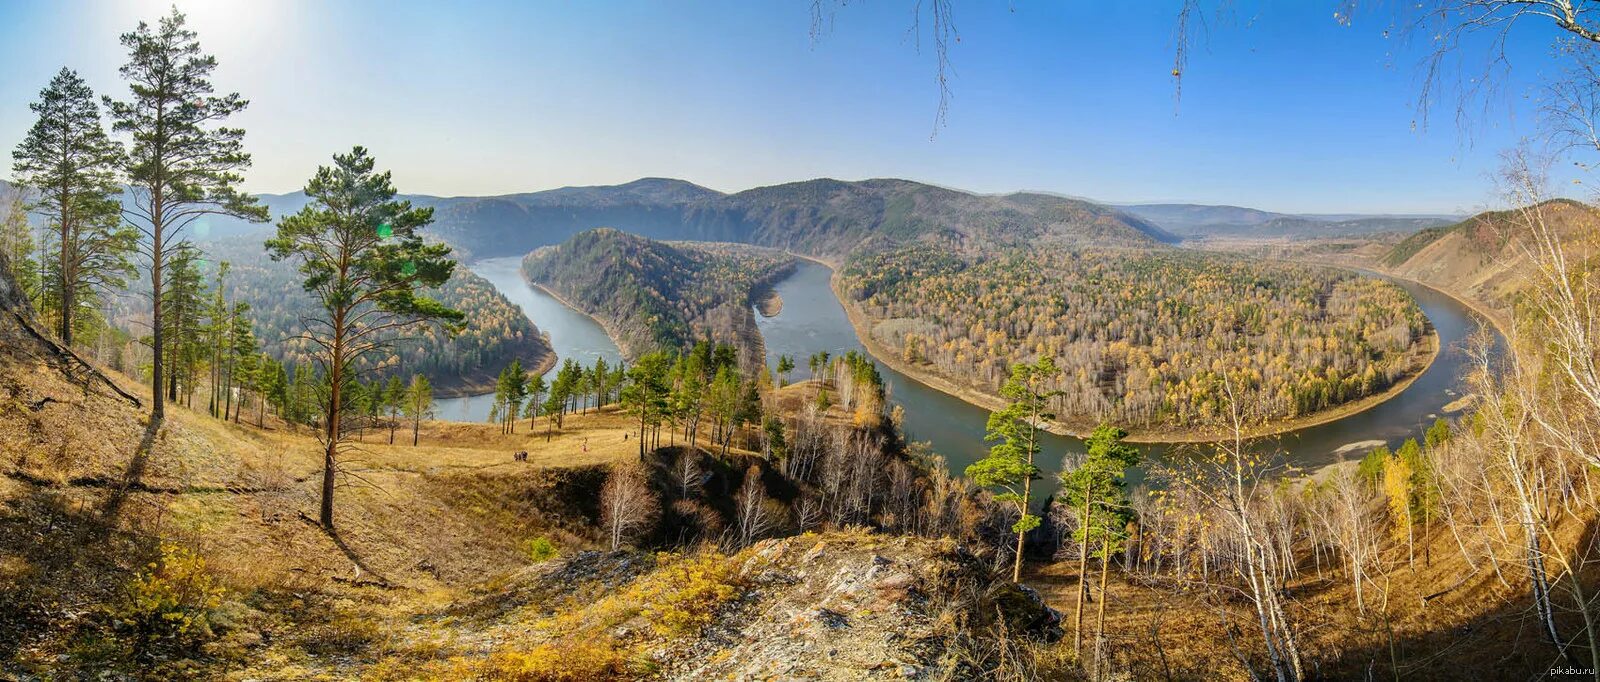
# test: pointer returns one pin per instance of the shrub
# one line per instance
(540, 549)
(683, 594)
(168, 606)
(569, 661)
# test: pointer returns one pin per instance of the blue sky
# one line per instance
(1282, 107)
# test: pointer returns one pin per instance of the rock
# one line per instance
(832, 619)
(815, 552)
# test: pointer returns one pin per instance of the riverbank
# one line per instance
(609, 329)
(482, 381)
(1495, 318)
(862, 327)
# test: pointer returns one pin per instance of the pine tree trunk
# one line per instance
(1100, 608)
(1083, 572)
(157, 398)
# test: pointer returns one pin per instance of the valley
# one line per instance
(466, 404)
(813, 319)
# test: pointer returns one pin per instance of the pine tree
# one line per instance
(785, 366)
(536, 391)
(1096, 493)
(241, 353)
(510, 390)
(419, 403)
(363, 258)
(218, 331)
(646, 395)
(1009, 466)
(20, 249)
(183, 308)
(183, 164)
(70, 163)
(394, 398)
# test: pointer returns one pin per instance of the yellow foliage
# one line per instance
(171, 600)
(568, 661)
(684, 593)
(1397, 488)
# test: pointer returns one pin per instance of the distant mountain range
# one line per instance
(827, 218)
(833, 218)
(1199, 221)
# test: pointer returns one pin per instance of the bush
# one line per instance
(684, 593)
(570, 661)
(540, 549)
(168, 606)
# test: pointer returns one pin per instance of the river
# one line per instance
(812, 320)
(572, 334)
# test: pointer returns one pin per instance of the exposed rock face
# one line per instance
(841, 605)
(858, 606)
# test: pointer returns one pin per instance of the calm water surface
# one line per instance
(572, 334)
(813, 320)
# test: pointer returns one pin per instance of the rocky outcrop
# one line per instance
(860, 606)
(843, 605)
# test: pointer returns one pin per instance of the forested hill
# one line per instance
(496, 330)
(829, 218)
(651, 294)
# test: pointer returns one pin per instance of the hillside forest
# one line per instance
(456, 361)
(1145, 339)
(651, 295)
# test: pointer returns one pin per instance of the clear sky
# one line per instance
(1282, 108)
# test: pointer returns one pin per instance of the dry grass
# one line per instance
(1472, 629)
(416, 525)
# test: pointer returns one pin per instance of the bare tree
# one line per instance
(627, 504)
(1230, 485)
(687, 474)
(755, 515)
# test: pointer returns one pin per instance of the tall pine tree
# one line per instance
(183, 164)
(70, 164)
(1010, 468)
(363, 258)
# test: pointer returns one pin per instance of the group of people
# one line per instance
(522, 455)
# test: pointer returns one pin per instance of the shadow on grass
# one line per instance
(133, 475)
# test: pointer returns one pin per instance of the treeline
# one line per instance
(495, 331)
(1143, 339)
(824, 454)
(654, 295)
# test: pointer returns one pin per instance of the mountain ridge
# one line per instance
(819, 217)
(1198, 221)
(1481, 257)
